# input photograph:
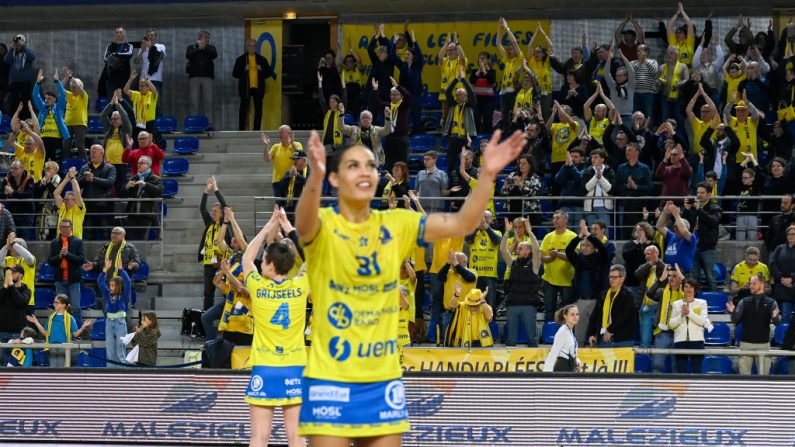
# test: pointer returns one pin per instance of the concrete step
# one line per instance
(182, 289)
(178, 302)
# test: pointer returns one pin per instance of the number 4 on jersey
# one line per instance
(282, 316)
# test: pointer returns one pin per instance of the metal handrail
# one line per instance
(65, 346)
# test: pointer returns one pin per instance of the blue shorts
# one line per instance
(353, 410)
(274, 385)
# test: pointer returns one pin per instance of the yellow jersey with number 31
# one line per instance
(279, 310)
(354, 272)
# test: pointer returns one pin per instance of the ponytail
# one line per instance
(560, 314)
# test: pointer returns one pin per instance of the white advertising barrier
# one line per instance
(195, 407)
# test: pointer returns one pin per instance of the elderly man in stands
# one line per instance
(146, 147)
(209, 253)
(460, 123)
(122, 254)
(776, 232)
(704, 216)
(15, 252)
(141, 213)
(633, 179)
(396, 144)
(755, 313)
(70, 205)
(14, 299)
(293, 181)
(647, 274)
(680, 243)
(366, 134)
(18, 184)
(782, 265)
(615, 319)
(675, 172)
(118, 138)
(67, 255)
(96, 179)
(280, 155)
(743, 271)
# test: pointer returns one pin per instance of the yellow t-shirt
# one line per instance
(353, 271)
(484, 254)
(114, 148)
(21, 137)
(699, 127)
(406, 316)
(31, 162)
(543, 72)
(686, 48)
(511, 66)
(253, 81)
(597, 128)
(441, 251)
(49, 128)
(279, 310)
(29, 279)
(524, 99)
(281, 159)
(418, 256)
(449, 286)
(236, 316)
(353, 77)
(731, 88)
(562, 137)
(558, 272)
(76, 215)
(474, 182)
(746, 133)
(449, 69)
(76, 109)
(742, 272)
(144, 106)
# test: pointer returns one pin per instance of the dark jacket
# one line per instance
(634, 257)
(410, 75)
(705, 223)
(102, 184)
(21, 190)
(117, 61)
(20, 64)
(624, 316)
(146, 340)
(152, 189)
(6, 223)
(641, 175)
(776, 232)
(755, 313)
(240, 73)
(469, 108)
(782, 265)
(208, 220)
(523, 284)
(298, 186)
(76, 257)
(400, 128)
(381, 71)
(640, 275)
(129, 253)
(583, 74)
(568, 178)
(200, 61)
(590, 271)
(710, 146)
(13, 304)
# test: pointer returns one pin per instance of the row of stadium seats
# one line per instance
(712, 364)
(47, 273)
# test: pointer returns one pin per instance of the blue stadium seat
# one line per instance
(186, 145)
(738, 334)
(88, 298)
(717, 364)
(441, 162)
(74, 162)
(521, 334)
(5, 124)
(90, 276)
(431, 120)
(143, 272)
(98, 361)
(175, 166)
(432, 331)
(46, 273)
(430, 101)
(44, 297)
(98, 329)
(413, 183)
(100, 104)
(347, 119)
(196, 124)
(781, 366)
(443, 142)
(170, 188)
(642, 363)
(495, 331)
(716, 301)
(778, 334)
(720, 272)
(95, 125)
(166, 123)
(548, 332)
(423, 142)
(720, 335)
(40, 358)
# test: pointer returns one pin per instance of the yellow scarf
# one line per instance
(292, 183)
(468, 327)
(458, 121)
(117, 261)
(673, 92)
(650, 282)
(393, 111)
(607, 319)
(209, 244)
(668, 299)
(789, 49)
(331, 123)
(67, 324)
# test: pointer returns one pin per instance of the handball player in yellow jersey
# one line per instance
(351, 386)
(278, 355)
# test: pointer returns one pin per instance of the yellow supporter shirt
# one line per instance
(29, 279)
(449, 69)
(746, 133)
(76, 109)
(281, 158)
(558, 272)
(144, 107)
(524, 99)
(441, 251)
(474, 182)
(597, 128)
(743, 272)
(279, 310)
(449, 286)
(699, 127)
(562, 136)
(353, 77)
(114, 148)
(236, 316)
(21, 137)
(732, 95)
(686, 48)
(253, 81)
(418, 256)
(406, 316)
(484, 254)
(510, 67)
(543, 72)
(49, 128)
(353, 271)
(31, 162)
(76, 215)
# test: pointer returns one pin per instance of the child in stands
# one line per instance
(57, 330)
(145, 338)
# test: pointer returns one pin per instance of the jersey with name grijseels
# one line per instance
(279, 310)
(354, 272)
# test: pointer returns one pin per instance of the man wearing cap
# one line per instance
(20, 59)
(14, 299)
(15, 253)
(293, 181)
